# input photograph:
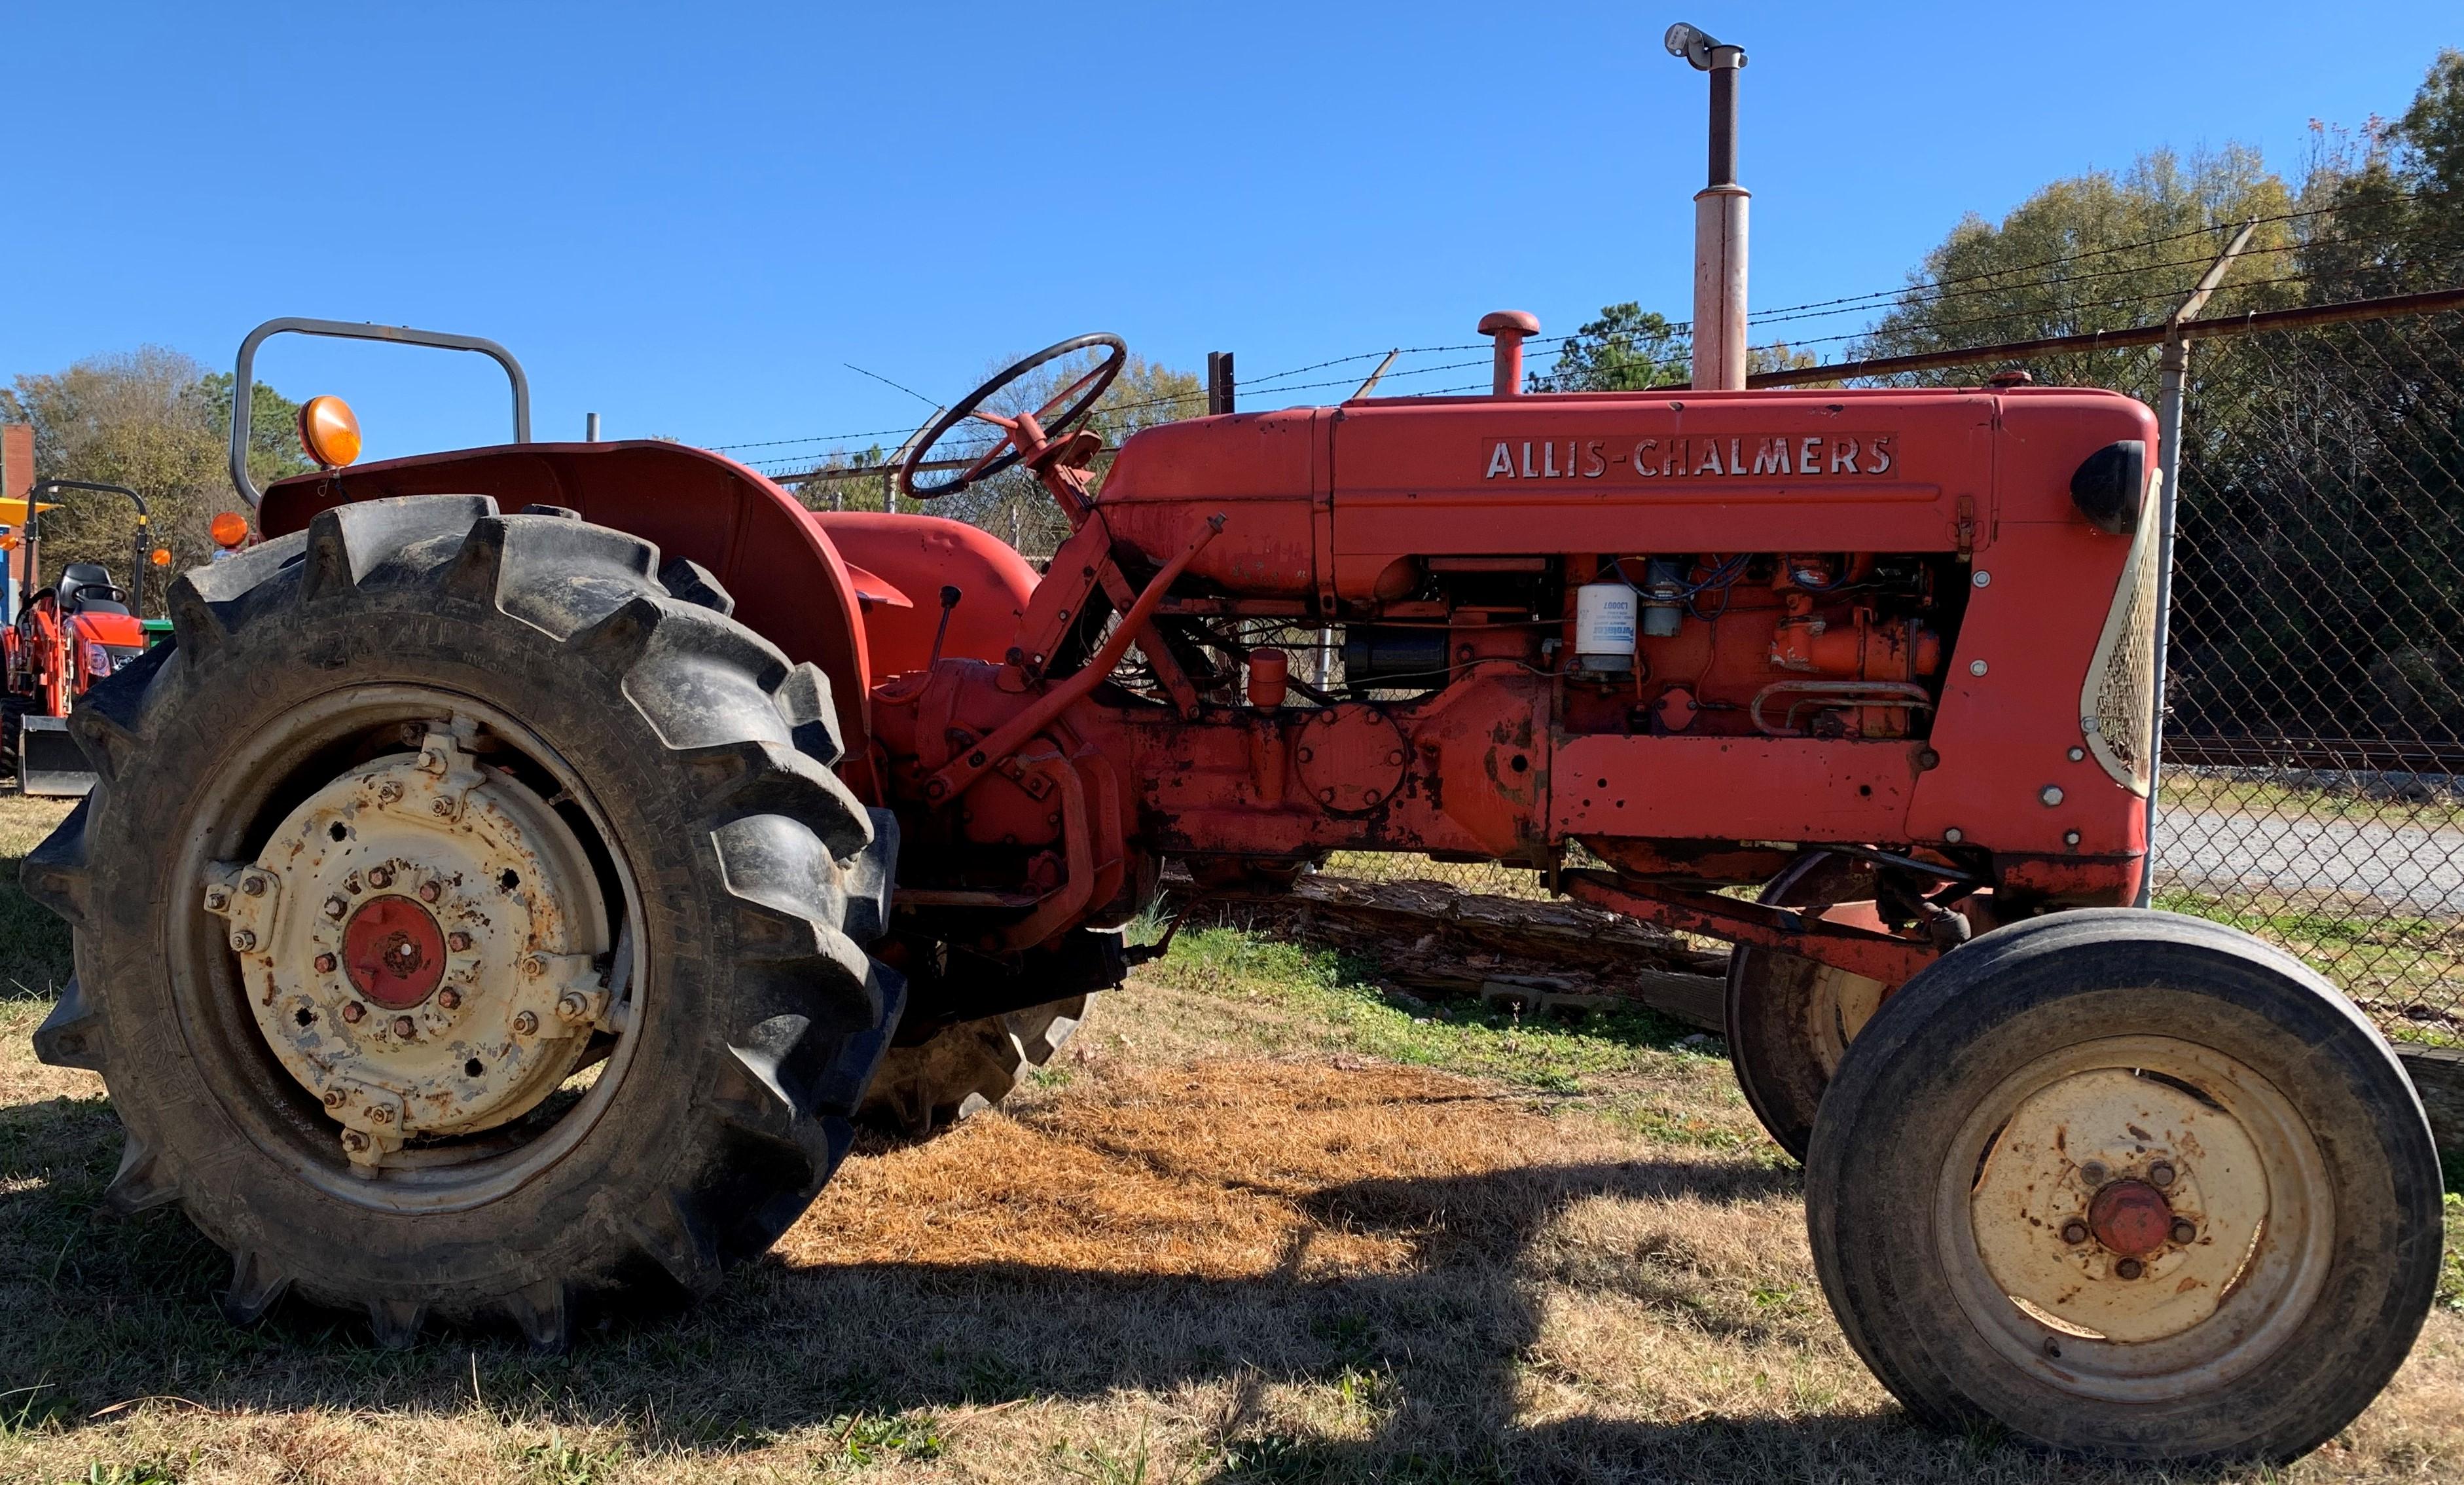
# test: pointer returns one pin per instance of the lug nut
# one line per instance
(333, 1098)
(252, 884)
(354, 1012)
(2161, 1173)
(2185, 1230)
(387, 793)
(325, 964)
(380, 1114)
(335, 907)
(2127, 1268)
(572, 1007)
(534, 966)
(217, 898)
(2050, 795)
(449, 998)
(526, 1023)
(2093, 1172)
(2075, 1232)
(242, 940)
(442, 806)
(380, 876)
(355, 1142)
(457, 941)
(404, 1026)
(430, 892)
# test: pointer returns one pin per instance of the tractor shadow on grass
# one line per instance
(1430, 1363)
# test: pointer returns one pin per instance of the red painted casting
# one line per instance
(2130, 1217)
(393, 951)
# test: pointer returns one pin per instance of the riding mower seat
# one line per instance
(82, 587)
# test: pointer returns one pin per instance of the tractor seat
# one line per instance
(76, 578)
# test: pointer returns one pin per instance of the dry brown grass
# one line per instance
(1225, 1242)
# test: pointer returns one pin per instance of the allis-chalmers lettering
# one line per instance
(1746, 454)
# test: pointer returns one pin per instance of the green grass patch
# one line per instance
(1347, 1010)
(34, 942)
(2407, 970)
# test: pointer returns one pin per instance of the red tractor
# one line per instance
(529, 862)
(65, 637)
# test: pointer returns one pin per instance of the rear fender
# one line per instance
(916, 556)
(789, 584)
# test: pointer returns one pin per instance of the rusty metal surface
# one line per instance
(421, 944)
(2069, 1218)
(1830, 935)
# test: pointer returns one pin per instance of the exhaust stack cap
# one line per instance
(1510, 326)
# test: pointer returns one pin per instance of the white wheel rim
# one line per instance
(505, 928)
(2124, 1316)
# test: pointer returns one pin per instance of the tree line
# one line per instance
(156, 421)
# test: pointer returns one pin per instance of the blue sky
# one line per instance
(688, 217)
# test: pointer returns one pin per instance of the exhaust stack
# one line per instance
(1718, 221)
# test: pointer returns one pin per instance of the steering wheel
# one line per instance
(1060, 416)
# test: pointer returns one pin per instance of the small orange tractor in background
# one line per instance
(63, 638)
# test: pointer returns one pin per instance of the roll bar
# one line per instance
(243, 378)
(32, 536)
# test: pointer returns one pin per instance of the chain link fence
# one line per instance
(2313, 787)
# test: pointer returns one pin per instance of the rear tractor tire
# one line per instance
(2130, 1183)
(937, 1075)
(468, 922)
(960, 1071)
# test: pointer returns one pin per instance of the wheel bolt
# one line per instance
(2127, 1268)
(2094, 1172)
(2161, 1173)
(354, 1012)
(572, 1007)
(333, 1098)
(457, 941)
(2075, 1232)
(380, 1114)
(387, 793)
(404, 1026)
(335, 907)
(442, 806)
(526, 1023)
(217, 898)
(355, 1142)
(534, 966)
(380, 876)
(449, 999)
(2184, 1230)
(325, 964)
(252, 884)
(430, 892)
(243, 940)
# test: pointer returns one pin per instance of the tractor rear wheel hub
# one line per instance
(453, 904)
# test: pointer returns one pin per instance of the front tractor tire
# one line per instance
(468, 925)
(2130, 1184)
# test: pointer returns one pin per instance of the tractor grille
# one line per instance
(2115, 706)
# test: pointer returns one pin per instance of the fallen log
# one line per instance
(1545, 955)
